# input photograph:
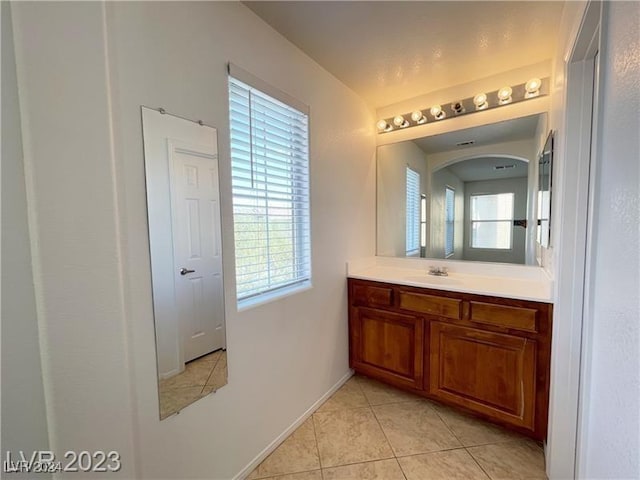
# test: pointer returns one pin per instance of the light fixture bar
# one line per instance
(506, 95)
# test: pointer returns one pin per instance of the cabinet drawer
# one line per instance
(368, 295)
(440, 306)
(504, 316)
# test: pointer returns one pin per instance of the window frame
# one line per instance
(295, 182)
(447, 222)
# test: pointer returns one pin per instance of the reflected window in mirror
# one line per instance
(413, 213)
(450, 221)
(492, 220)
(545, 169)
(270, 179)
(423, 224)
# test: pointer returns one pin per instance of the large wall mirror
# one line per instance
(183, 202)
(464, 195)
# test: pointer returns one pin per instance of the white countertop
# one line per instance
(494, 279)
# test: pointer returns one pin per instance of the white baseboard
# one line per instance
(283, 436)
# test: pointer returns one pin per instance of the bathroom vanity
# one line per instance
(478, 340)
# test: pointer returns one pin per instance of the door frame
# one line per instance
(573, 224)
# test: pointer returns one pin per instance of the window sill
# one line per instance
(269, 297)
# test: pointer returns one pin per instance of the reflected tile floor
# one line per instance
(200, 377)
(371, 431)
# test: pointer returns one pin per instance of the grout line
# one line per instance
(358, 463)
(280, 475)
(429, 453)
(478, 463)
(315, 436)
(384, 433)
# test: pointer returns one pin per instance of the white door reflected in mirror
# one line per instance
(183, 200)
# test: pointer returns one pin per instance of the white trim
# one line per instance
(572, 222)
(264, 87)
(289, 430)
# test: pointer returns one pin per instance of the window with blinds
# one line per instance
(492, 220)
(450, 221)
(270, 181)
(413, 213)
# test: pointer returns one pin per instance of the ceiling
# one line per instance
(483, 169)
(510, 130)
(391, 51)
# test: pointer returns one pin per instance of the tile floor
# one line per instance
(370, 431)
(200, 377)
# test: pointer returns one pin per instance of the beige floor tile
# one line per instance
(218, 377)
(348, 395)
(378, 393)
(414, 427)
(449, 465)
(510, 461)
(298, 453)
(350, 436)
(472, 431)
(378, 470)
(195, 373)
(211, 358)
(313, 475)
(175, 399)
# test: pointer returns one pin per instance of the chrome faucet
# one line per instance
(438, 271)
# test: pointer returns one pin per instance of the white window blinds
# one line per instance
(413, 213)
(450, 221)
(270, 180)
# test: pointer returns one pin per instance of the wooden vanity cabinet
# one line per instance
(487, 355)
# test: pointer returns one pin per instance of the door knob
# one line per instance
(184, 271)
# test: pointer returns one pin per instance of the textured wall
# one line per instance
(611, 411)
(24, 423)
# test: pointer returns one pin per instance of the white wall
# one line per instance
(440, 180)
(610, 418)
(517, 186)
(391, 195)
(63, 88)
(24, 423)
(90, 207)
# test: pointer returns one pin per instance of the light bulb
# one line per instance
(437, 112)
(533, 88)
(480, 101)
(383, 126)
(457, 107)
(504, 95)
(418, 117)
(399, 121)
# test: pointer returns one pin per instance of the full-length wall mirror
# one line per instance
(464, 195)
(183, 206)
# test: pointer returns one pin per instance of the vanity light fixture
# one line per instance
(418, 117)
(400, 121)
(383, 126)
(532, 88)
(480, 101)
(504, 95)
(458, 108)
(437, 112)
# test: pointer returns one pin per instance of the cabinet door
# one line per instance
(490, 373)
(388, 346)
